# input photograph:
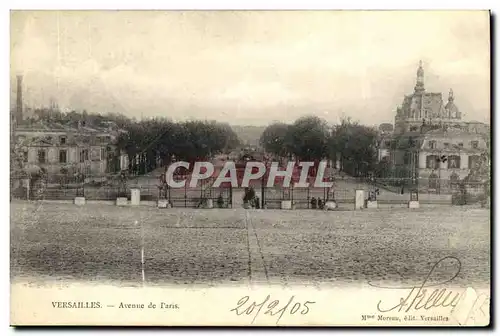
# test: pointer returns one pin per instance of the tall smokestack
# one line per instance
(19, 102)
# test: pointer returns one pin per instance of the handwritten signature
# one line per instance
(422, 297)
(273, 308)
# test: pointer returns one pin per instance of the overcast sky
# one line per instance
(250, 67)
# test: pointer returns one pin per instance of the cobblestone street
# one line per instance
(102, 244)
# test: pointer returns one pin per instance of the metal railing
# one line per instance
(389, 191)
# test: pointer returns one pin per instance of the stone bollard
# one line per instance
(121, 201)
(359, 201)
(286, 205)
(135, 198)
(210, 203)
(79, 200)
(414, 205)
(163, 204)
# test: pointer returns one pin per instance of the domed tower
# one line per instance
(419, 87)
(450, 107)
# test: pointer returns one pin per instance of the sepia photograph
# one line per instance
(250, 168)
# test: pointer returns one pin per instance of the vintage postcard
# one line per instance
(250, 168)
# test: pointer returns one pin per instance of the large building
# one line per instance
(430, 140)
(62, 148)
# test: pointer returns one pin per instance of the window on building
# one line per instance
(41, 156)
(446, 145)
(95, 154)
(432, 162)
(25, 157)
(63, 156)
(461, 145)
(62, 140)
(103, 154)
(413, 128)
(433, 181)
(453, 161)
(474, 144)
(412, 142)
(406, 158)
(84, 155)
(473, 161)
(432, 144)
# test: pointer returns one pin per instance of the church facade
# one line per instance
(422, 106)
(430, 142)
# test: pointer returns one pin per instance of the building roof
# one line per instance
(50, 126)
(451, 108)
(43, 126)
(427, 105)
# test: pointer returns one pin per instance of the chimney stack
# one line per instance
(19, 102)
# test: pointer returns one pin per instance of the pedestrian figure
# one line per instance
(314, 203)
(220, 201)
(257, 202)
(320, 204)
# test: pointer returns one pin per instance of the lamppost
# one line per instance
(122, 191)
(264, 182)
(80, 179)
(440, 159)
(415, 178)
(166, 187)
(331, 190)
(372, 195)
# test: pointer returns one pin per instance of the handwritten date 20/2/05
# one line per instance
(271, 308)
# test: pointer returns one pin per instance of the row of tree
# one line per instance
(156, 142)
(311, 138)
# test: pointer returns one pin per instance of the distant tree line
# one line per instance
(311, 138)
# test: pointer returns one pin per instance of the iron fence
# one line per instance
(388, 191)
(189, 197)
(384, 191)
(301, 198)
